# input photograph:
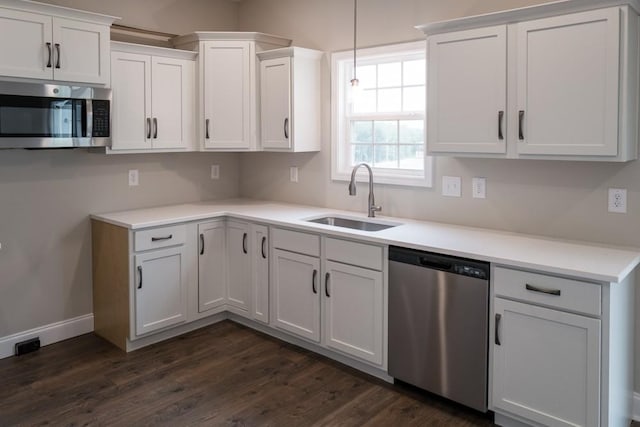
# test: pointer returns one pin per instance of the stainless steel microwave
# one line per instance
(54, 116)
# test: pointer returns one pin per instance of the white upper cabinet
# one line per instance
(228, 87)
(46, 42)
(543, 84)
(290, 99)
(153, 98)
(467, 104)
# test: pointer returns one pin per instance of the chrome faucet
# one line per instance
(352, 189)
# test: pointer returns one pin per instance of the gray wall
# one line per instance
(558, 199)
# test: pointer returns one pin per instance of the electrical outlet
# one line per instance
(133, 178)
(451, 186)
(293, 174)
(215, 172)
(479, 188)
(618, 200)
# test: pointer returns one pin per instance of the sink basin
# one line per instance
(354, 223)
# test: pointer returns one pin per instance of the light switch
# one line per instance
(215, 172)
(451, 186)
(293, 174)
(133, 177)
(479, 188)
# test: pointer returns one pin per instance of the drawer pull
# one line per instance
(497, 329)
(555, 292)
(159, 239)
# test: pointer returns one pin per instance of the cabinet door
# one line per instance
(275, 81)
(239, 262)
(296, 293)
(23, 45)
(353, 311)
(260, 272)
(567, 78)
(81, 51)
(171, 80)
(546, 365)
(466, 91)
(131, 89)
(227, 94)
(212, 261)
(159, 287)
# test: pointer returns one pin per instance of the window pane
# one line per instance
(389, 100)
(389, 74)
(413, 98)
(411, 131)
(414, 72)
(386, 132)
(386, 156)
(364, 101)
(361, 153)
(366, 76)
(412, 157)
(361, 131)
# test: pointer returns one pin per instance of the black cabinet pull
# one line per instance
(497, 329)
(313, 281)
(286, 128)
(555, 292)
(139, 277)
(50, 53)
(500, 118)
(159, 239)
(264, 253)
(206, 129)
(520, 124)
(327, 276)
(155, 128)
(148, 128)
(244, 243)
(201, 244)
(57, 45)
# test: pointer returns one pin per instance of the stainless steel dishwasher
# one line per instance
(438, 324)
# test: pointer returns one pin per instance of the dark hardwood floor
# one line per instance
(224, 374)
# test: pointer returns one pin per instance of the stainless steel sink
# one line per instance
(354, 223)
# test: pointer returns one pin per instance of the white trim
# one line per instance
(48, 334)
(636, 406)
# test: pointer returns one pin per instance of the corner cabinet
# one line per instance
(39, 41)
(290, 99)
(536, 86)
(560, 350)
(228, 87)
(212, 266)
(153, 98)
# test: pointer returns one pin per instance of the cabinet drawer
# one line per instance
(159, 237)
(358, 254)
(565, 294)
(295, 241)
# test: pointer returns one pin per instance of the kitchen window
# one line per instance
(382, 121)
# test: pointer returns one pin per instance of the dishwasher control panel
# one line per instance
(467, 270)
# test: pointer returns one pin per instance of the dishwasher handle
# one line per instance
(434, 263)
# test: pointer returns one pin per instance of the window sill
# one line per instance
(380, 177)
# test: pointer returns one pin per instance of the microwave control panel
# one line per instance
(101, 119)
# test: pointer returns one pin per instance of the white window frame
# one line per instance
(340, 157)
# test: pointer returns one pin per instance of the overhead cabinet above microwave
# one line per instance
(44, 42)
(557, 81)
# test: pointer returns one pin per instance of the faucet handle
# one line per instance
(373, 210)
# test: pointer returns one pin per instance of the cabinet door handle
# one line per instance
(206, 129)
(286, 128)
(520, 124)
(264, 253)
(50, 54)
(497, 329)
(244, 243)
(139, 277)
(57, 45)
(500, 119)
(313, 281)
(155, 128)
(327, 276)
(159, 239)
(201, 244)
(148, 128)
(555, 292)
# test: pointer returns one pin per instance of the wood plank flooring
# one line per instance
(224, 374)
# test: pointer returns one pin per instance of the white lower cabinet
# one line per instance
(239, 267)
(212, 284)
(260, 273)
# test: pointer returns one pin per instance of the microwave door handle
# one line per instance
(89, 117)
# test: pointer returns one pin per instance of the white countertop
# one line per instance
(579, 259)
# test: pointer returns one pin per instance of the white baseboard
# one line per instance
(48, 334)
(636, 406)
